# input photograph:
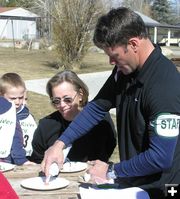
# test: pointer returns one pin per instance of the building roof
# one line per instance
(16, 13)
(147, 20)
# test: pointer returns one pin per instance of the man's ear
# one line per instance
(134, 43)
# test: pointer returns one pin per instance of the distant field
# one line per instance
(35, 64)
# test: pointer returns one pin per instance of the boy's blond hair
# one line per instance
(10, 80)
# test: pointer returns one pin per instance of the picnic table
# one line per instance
(20, 173)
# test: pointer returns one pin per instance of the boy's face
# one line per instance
(16, 95)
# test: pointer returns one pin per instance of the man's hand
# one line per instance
(53, 154)
(98, 171)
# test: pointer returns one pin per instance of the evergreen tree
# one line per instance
(161, 11)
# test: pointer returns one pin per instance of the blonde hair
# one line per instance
(72, 78)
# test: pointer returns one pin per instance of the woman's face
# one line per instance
(66, 100)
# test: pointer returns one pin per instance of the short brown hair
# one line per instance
(10, 80)
(71, 77)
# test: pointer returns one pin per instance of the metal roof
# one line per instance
(149, 22)
(16, 13)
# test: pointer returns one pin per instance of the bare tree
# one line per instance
(72, 24)
(24, 3)
(3, 3)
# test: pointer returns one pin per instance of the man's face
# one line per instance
(123, 57)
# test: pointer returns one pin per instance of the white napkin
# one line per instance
(128, 193)
(54, 169)
(66, 151)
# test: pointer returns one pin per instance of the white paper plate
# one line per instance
(6, 166)
(69, 167)
(38, 183)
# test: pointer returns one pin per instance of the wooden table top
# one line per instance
(20, 173)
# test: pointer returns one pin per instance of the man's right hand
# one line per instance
(53, 154)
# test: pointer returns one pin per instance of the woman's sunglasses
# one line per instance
(67, 100)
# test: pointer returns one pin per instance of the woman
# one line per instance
(68, 95)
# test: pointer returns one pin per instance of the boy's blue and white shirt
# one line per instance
(28, 126)
(7, 126)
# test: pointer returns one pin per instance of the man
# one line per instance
(144, 88)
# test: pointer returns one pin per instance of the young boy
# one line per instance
(11, 140)
(28, 125)
(12, 87)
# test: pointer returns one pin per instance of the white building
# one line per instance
(17, 23)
